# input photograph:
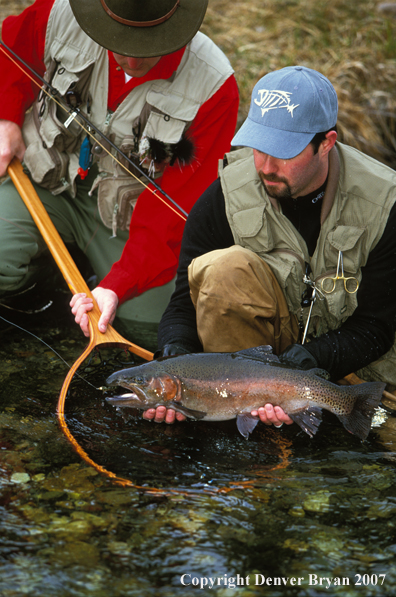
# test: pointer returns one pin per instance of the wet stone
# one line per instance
(117, 497)
(20, 478)
(384, 509)
(77, 552)
(318, 502)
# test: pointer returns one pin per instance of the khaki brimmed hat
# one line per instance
(140, 28)
(288, 107)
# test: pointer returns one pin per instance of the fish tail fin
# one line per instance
(368, 396)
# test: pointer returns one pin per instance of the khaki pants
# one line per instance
(239, 302)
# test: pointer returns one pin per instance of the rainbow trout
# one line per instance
(222, 386)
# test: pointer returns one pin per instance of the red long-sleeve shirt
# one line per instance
(150, 255)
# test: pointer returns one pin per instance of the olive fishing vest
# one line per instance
(161, 109)
(359, 195)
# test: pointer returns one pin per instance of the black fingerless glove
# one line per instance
(169, 350)
(297, 356)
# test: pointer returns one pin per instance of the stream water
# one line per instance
(201, 509)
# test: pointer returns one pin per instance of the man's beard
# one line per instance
(282, 193)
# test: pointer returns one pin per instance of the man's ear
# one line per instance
(329, 142)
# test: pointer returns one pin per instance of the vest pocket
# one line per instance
(116, 200)
(48, 167)
(347, 239)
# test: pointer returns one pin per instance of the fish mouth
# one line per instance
(123, 400)
(136, 398)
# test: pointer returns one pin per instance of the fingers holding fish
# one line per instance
(272, 415)
(161, 414)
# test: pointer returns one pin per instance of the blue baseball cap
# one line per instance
(287, 109)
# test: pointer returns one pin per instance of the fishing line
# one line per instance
(29, 311)
(76, 112)
(48, 346)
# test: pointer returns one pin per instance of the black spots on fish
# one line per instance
(200, 365)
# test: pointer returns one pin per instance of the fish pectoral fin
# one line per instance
(308, 419)
(260, 353)
(188, 412)
(246, 424)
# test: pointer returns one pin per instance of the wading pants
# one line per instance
(22, 249)
(239, 303)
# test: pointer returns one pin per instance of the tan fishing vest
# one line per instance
(258, 224)
(161, 109)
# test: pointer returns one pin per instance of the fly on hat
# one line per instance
(288, 107)
(140, 28)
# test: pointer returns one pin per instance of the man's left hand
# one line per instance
(272, 415)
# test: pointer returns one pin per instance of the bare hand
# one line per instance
(107, 301)
(162, 414)
(272, 415)
(11, 144)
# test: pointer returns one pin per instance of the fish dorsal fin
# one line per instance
(319, 372)
(308, 419)
(261, 353)
(246, 423)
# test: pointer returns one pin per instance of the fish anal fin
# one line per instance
(261, 353)
(368, 397)
(246, 424)
(308, 419)
(188, 412)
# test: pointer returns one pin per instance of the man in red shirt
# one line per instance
(148, 80)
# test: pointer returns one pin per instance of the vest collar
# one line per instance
(332, 184)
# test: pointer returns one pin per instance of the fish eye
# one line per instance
(138, 379)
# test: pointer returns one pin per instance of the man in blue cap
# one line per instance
(293, 245)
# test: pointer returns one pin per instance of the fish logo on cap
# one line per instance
(273, 100)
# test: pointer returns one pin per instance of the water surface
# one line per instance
(202, 509)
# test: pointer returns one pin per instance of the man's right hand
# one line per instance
(11, 144)
(81, 304)
(161, 414)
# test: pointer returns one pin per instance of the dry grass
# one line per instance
(351, 42)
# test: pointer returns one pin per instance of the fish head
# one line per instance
(147, 388)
